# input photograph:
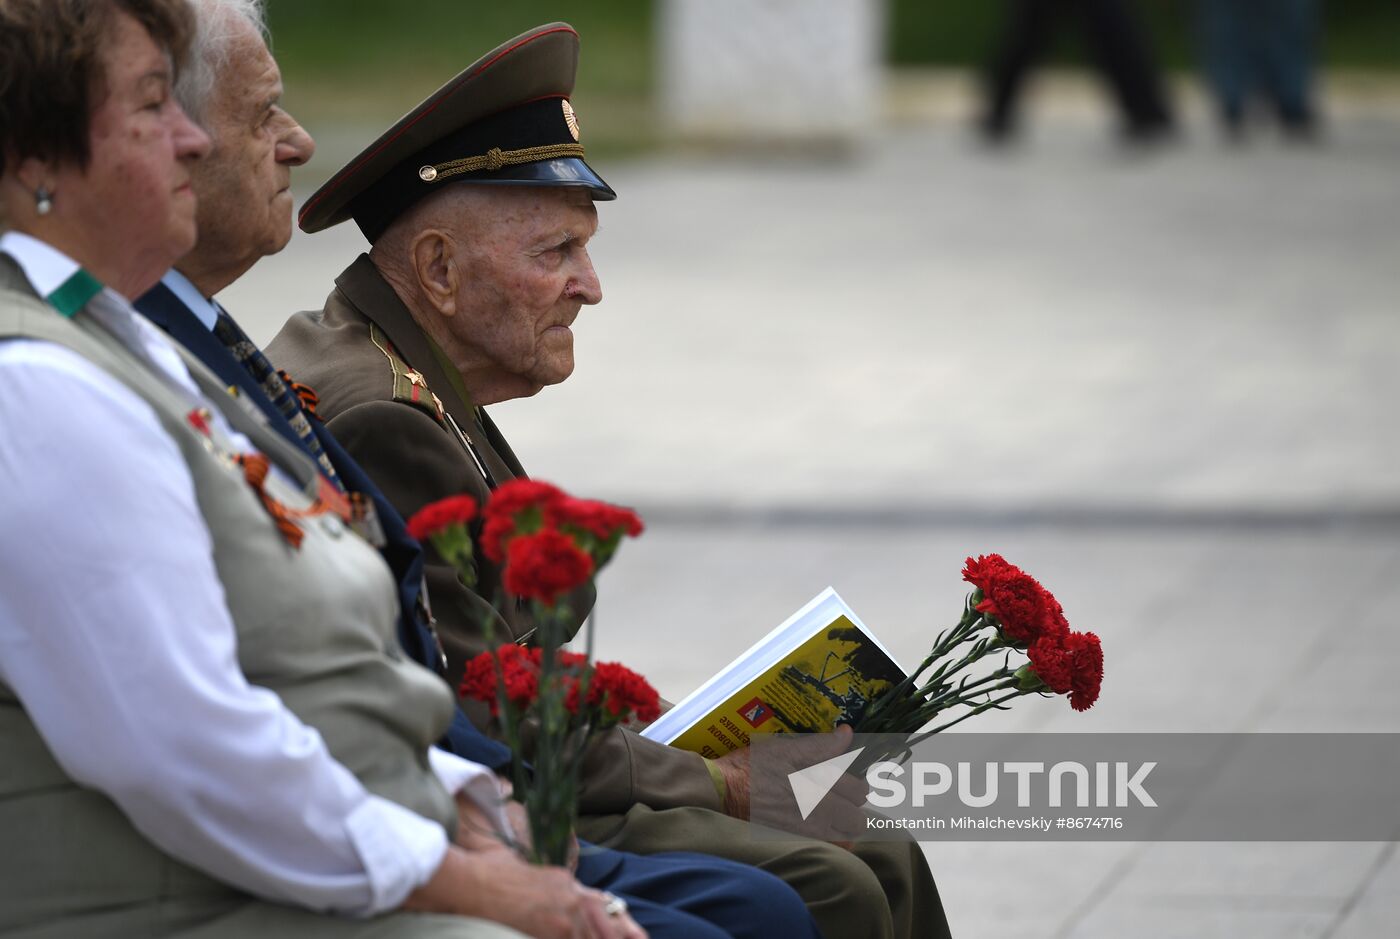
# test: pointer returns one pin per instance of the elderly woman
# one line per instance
(205, 729)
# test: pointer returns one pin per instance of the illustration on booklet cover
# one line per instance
(825, 681)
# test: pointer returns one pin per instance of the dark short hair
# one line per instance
(51, 69)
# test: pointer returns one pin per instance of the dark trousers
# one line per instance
(879, 890)
(1117, 45)
(695, 896)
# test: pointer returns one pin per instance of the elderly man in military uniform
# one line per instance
(479, 208)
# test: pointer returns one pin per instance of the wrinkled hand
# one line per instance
(843, 808)
(734, 769)
(476, 833)
(545, 902)
(809, 750)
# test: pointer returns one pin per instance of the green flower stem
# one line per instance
(953, 695)
(954, 699)
(914, 709)
(898, 698)
(551, 799)
(510, 721)
(945, 642)
(980, 651)
(970, 623)
(937, 688)
(987, 706)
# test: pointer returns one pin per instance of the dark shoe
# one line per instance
(1302, 127)
(997, 131)
(1145, 135)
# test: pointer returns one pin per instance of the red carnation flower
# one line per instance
(517, 506)
(1086, 669)
(1025, 609)
(496, 530)
(1070, 664)
(522, 685)
(437, 516)
(478, 681)
(571, 696)
(570, 659)
(1020, 604)
(517, 495)
(623, 692)
(981, 571)
(544, 565)
(519, 667)
(1056, 623)
(599, 519)
(1051, 662)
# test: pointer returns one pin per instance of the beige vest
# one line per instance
(315, 625)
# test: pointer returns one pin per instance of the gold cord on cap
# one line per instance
(496, 158)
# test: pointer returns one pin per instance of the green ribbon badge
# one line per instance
(74, 293)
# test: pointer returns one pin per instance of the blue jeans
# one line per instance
(1264, 47)
(678, 895)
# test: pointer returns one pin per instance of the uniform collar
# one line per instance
(204, 309)
(369, 293)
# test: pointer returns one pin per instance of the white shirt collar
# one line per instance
(204, 309)
(45, 266)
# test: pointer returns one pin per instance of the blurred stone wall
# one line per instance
(770, 71)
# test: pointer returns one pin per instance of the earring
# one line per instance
(43, 200)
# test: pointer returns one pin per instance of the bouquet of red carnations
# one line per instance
(1008, 614)
(549, 544)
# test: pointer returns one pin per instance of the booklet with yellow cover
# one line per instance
(821, 668)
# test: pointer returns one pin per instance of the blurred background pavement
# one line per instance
(1159, 375)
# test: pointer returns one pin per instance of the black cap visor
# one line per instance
(564, 171)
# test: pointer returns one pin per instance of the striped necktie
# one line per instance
(260, 369)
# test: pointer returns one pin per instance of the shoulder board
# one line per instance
(409, 385)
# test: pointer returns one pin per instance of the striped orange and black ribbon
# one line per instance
(349, 508)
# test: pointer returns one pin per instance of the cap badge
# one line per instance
(570, 118)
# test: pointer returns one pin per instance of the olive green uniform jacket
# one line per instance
(399, 408)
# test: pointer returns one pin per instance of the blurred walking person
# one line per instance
(1118, 46)
(1265, 48)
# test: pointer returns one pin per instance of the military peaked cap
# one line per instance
(505, 120)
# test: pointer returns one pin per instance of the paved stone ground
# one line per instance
(1163, 382)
